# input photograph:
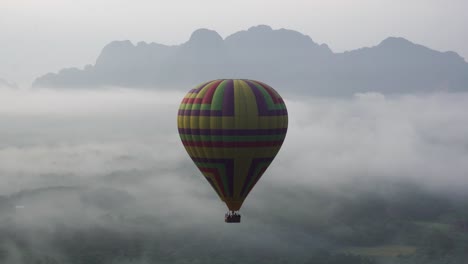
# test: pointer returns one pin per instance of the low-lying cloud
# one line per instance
(84, 134)
(118, 153)
(418, 137)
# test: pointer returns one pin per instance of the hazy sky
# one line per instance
(47, 35)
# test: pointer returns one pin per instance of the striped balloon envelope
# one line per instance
(232, 130)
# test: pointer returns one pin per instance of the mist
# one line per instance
(86, 162)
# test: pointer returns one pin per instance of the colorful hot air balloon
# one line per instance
(232, 130)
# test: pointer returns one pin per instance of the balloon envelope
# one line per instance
(232, 130)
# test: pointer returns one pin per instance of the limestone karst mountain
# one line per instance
(281, 57)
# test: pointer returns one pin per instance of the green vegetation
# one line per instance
(404, 224)
(325, 257)
(381, 251)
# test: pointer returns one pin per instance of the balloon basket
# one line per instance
(232, 217)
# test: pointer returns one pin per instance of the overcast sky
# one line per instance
(47, 35)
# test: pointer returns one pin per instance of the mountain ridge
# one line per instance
(281, 57)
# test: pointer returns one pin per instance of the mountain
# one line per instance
(283, 58)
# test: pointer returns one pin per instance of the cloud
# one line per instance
(120, 153)
(85, 134)
(416, 137)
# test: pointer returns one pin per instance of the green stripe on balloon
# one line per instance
(217, 101)
(268, 99)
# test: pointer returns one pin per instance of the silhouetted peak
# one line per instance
(113, 52)
(266, 39)
(266, 33)
(119, 44)
(396, 42)
(325, 47)
(260, 28)
(204, 35)
(454, 55)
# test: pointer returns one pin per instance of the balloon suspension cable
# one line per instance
(232, 217)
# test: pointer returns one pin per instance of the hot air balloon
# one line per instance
(232, 129)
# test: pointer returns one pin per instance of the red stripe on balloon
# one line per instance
(208, 97)
(192, 100)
